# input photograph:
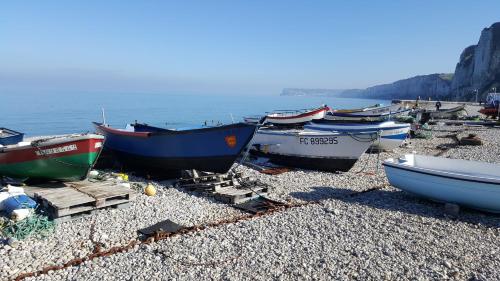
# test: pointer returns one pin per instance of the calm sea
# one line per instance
(51, 114)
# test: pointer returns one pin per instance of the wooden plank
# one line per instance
(55, 212)
(68, 211)
(108, 193)
(67, 202)
(57, 200)
(63, 194)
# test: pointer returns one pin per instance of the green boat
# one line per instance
(60, 158)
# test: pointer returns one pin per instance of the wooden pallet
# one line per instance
(77, 198)
(233, 195)
(208, 186)
(224, 187)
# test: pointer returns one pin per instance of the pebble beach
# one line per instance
(359, 228)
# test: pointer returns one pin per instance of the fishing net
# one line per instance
(33, 225)
(405, 119)
(424, 132)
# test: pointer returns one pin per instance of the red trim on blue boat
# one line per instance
(125, 133)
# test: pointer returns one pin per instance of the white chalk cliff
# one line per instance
(478, 69)
(479, 66)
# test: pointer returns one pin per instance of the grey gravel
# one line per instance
(383, 234)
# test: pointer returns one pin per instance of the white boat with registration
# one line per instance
(392, 134)
(310, 149)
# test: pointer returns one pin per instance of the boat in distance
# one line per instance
(254, 119)
(373, 113)
(314, 150)
(391, 134)
(490, 111)
(468, 183)
(289, 117)
(153, 149)
(492, 105)
(8, 136)
(59, 158)
(446, 112)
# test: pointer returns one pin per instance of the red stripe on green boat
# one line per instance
(43, 150)
(64, 158)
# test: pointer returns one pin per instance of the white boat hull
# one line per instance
(312, 149)
(468, 183)
(392, 135)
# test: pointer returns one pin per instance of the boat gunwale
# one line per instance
(13, 133)
(305, 114)
(351, 114)
(438, 173)
(371, 129)
(168, 132)
(362, 109)
(312, 133)
(50, 142)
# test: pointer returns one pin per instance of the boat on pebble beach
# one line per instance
(8, 136)
(310, 149)
(372, 113)
(152, 149)
(469, 183)
(490, 111)
(288, 117)
(447, 112)
(492, 105)
(60, 158)
(391, 134)
(253, 119)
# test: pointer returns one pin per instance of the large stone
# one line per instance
(452, 209)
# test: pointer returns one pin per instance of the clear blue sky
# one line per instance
(234, 46)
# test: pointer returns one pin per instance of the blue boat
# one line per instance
(8, 136)
(152, 149)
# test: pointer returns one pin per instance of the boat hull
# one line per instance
(171, 165)
(312, 150)
(9, 137)
(392, 135)
(369, 114)
(447, 113)
(61, 161)
(253, 119)
(445, 187)
(310, 163)
(296, 119)
(490, 112)
(209, 149)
